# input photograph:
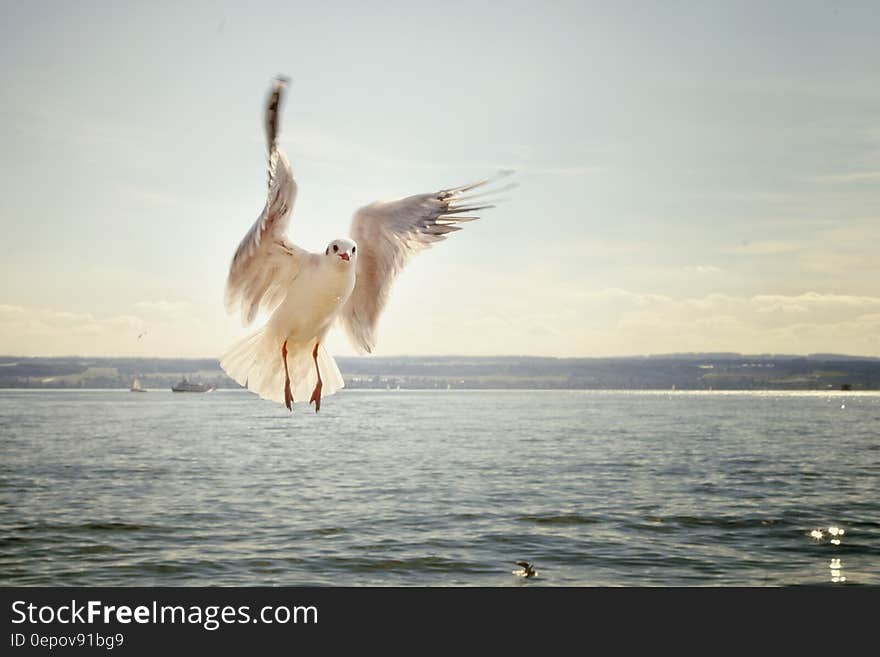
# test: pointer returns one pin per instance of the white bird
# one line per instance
(307, 292)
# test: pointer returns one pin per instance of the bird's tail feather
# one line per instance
(256, 362)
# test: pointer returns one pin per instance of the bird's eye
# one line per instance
(353, 249)
(335, 248)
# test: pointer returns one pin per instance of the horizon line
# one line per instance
(678, 354)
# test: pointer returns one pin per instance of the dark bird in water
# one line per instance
(528, 570)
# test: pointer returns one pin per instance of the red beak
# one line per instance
(344, 256)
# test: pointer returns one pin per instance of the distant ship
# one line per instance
(136, 386)
(187, 386)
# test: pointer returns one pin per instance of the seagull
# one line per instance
(528, 570)
(307, 293)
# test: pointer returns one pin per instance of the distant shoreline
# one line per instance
(635, 391)
(663, 373)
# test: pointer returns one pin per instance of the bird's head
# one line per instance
(345, 250)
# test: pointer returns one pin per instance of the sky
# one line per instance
(692, 176)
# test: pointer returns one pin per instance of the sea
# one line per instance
(440, 488)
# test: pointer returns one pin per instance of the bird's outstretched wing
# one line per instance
(388, 234)
(266, 261)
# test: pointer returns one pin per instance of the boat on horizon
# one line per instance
(136, 386)
(189, 386)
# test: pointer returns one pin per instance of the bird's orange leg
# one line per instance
(316, 393)
(288, 396)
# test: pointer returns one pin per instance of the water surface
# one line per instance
(439, 488)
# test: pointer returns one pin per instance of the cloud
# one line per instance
(766, 247)
(851, 177)
(800, 323)
(619, 296)
(60, 121)
(816, 301)
(562, 171)
(564, 319)
(702, 269)
(40, 331)
(170, 328)
(162, 307)
(325, 147)
(559, 318)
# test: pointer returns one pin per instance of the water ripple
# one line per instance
(604, 488)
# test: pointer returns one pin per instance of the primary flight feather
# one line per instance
(307, 292)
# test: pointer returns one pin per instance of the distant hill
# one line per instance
(722, 371)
